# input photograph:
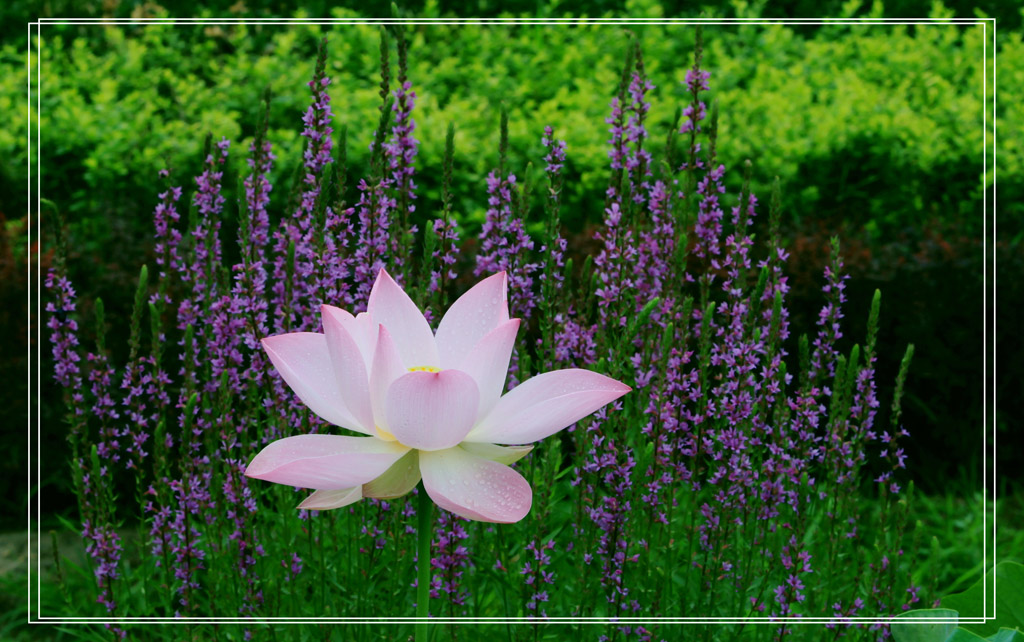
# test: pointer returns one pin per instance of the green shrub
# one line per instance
(873, 125)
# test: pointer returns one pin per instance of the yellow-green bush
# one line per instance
(876, 125)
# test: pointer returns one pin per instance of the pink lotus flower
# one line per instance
(429, 404)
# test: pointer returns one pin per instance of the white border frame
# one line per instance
(35, 30)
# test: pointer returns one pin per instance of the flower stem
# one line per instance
(423, 533)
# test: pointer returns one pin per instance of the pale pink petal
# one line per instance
(545, 404)
(432, 410)
(364, 331)
(304, 362)
(501, 454)
(488, 362)
(477, 312)
(401, 478)
(360, 327)
(475, 488)
(349, 367)
(331, 499)
(387, 366)
(324, 462)
(391, 306)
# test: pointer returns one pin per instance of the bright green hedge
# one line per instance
(875, 125)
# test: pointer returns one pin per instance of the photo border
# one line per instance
(35, 439)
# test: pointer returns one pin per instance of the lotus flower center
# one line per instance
(424, 369)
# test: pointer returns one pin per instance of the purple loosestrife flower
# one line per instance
(251, 274)
(318, 130)
(240, 509)
(614, 264)
(708, 228)
(452, 558)
(555, 160)
(504, 246)
(823, 359)
(447, 232)
(617, 143)
(373, 249)
(788, 594)
(160, 533)
(401, 153)
(375, 530)
(168, 239)
(200, 273)
(103, 545)
(64, 337)
(552, 277)
(611, 464)
(865, 401)
(655, 251)
(536, 578)
(575, 344)
(638, 160)
(297, 287)
(555, 157)
(104, 407)
(696, 81)
(208, 319)
(293, 565)
(193, 499)
(139, 385)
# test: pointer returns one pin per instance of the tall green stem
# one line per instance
(423, 532)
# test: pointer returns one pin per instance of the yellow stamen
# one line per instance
(424, 369)
(385, 435)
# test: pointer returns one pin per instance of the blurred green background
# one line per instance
(875, 132)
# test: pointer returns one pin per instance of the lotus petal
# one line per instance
(475, 488)
(324, 462)
(473, 315)
(331, 499)
(349, 367)
(391, 306)
(401, 478)
(432, 410)
(545, 404)
(304, 362)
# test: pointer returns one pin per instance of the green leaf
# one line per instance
(904, 629)
(1007, 601)
(1007, 635)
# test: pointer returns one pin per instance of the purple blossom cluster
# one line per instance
(64, 333)
(537, 579)
(555, 250)
(302, 276)
(505, 246)
(373, 250)
(614, 267)
(401, 150)
(638, 159)
(167, 236)
(447, 232)
(720, 414)
(451, 560)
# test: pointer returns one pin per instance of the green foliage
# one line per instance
(931, 631)
(878, 126)
(1005, 600)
